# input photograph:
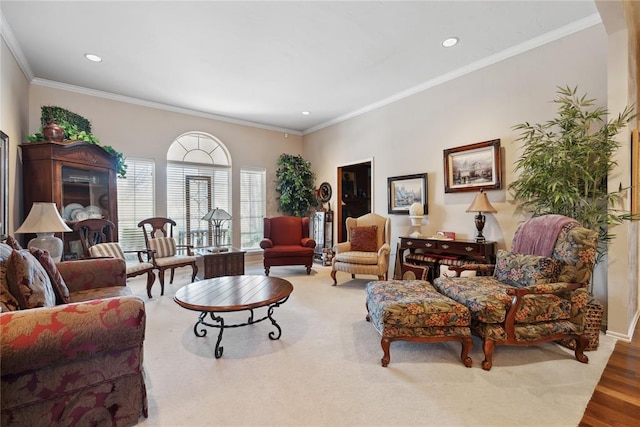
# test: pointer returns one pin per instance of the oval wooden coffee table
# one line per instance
(233, 293)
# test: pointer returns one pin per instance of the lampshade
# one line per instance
(44, 220)
(481, 204)
(216, 215)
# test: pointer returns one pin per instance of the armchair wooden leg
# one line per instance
(381, 278)
(161, 278)
(467, 344)
(194, 273)
(151, 277)
(333, 276)
(488, 346)
(266, 270)
(385, 343)
(582, 341)
(173, 270)
(308, 270)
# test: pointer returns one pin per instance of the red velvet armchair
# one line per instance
(286, 242)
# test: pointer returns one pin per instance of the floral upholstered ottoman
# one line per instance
(412, 310)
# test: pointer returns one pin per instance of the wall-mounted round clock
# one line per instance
(324, 192)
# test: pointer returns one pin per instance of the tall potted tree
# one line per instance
(564, 168)
(295, 183)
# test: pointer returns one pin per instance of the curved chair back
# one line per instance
(94, 231)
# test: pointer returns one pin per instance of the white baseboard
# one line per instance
(626, 337)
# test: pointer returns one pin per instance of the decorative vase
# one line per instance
(53, 132)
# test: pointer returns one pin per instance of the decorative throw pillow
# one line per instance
(7, 301)
(13, 243)
(28, 281)
(414, 272)
(521, 270)
(164, 246)
(111, 250)
(364, 239)
(49, 265)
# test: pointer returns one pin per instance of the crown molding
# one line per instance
(7, 35)
(549, 37)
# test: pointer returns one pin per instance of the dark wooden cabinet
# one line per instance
(216, 264)
(440, 251)
(79, 177)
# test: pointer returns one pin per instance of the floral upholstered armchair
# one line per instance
(72, 342)
(538, 291)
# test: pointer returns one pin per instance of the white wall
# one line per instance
(141, 131)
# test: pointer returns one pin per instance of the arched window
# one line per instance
(198, 180)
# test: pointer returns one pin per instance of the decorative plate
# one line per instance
(324, 192)
(68, 210)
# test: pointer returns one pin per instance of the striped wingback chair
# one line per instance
(165, 253)
(97, 238)
(366, 250)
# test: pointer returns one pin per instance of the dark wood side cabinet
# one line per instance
(447, 250)
(216, 264)
(79, 177)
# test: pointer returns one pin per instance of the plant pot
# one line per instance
(53, 132)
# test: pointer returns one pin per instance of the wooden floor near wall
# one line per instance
(616, 399)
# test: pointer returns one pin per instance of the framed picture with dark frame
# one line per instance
(403, 191)
(473, 167)
(4, 184)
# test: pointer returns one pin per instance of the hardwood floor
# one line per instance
(616, 398)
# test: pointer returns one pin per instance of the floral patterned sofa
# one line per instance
(538, 291)
(72, 342)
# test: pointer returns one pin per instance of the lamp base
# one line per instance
(50, 243)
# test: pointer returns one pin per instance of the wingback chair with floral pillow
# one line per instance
(538, 291)
(366, 250)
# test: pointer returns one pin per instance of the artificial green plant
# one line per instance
(76, 128)
(295, 183)
(565, 164)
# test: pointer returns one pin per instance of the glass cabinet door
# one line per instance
(85, 194)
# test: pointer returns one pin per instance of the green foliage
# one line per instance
(59, 114)
(565, 164)
(295, 183)
(78, 129)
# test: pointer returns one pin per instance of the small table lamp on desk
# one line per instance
(216, 217)
(44, 220)
(481, 204)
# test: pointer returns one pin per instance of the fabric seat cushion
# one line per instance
(100, 293)
(177, 259)
(413, 303)
(135, 266)
(353, 257)
(488, 302)
(287, 251)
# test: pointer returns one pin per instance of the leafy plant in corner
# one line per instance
(565, 164)
(76, 128)
(295, 183)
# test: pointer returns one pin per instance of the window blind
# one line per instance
(252, 207)
(136, 201)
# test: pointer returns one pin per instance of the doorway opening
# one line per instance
(355, 191)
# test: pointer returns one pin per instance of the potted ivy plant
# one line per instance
(565, 164)
(295, 183)
(75, 128)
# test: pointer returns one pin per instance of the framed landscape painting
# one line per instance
(403, 191)
(473, 167)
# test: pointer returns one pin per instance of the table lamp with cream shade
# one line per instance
(481, 204)
(217, 216)
(44, 220)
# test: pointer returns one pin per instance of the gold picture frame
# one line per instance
(473, 167)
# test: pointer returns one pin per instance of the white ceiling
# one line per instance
(264, 62)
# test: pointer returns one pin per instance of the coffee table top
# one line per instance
(233, 293)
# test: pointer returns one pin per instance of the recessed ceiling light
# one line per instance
(305, 113)
(92, 57)
(450, 42)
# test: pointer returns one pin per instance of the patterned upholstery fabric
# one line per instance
(525, 270)
(364, 239)
(414, 272)
(112, 250)
(28, 281)
(164, 246)
(78, 363)
(7, 301)
(49, 265)
(539, 313)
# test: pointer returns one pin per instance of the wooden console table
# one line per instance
(447, 251)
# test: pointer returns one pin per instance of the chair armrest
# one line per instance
(93, 273)
(266, 243)
(342, 247)
(189, 249)
(308, 242)
(40, 337)
(150, 254)
(385, 249)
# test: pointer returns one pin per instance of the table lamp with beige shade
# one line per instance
(481, 204)
(217, 216)
(44, 220)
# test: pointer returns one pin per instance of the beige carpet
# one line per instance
(325, 369)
